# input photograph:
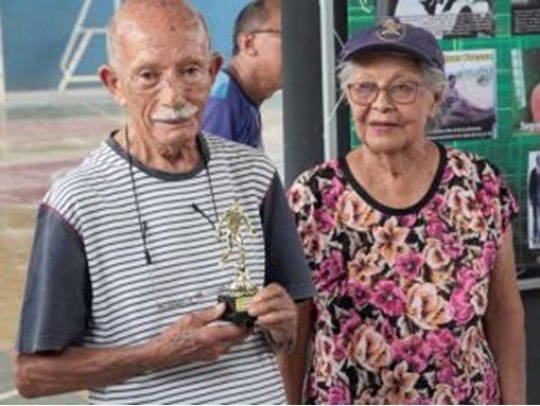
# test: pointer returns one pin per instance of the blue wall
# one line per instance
(36, 32)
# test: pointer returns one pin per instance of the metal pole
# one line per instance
(302, 96)
(328, 78)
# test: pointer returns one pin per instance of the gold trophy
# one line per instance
(241, 290)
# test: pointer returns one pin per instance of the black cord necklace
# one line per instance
(143, 226)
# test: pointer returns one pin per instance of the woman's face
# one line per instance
(390, 102)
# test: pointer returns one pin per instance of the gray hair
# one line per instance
(433, 77)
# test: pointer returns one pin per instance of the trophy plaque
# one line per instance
(241, 290)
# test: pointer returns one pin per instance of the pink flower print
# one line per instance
(461, 165)
(479, 297)
(331, 271)
(434, 254)
(355, 213)
(452, 246)
(340, 350)
(330, 195)
(461, 307)
(409, 265)
(407, 221)
(323, 360)
(446, 374)
(389, 238)
(312, 241)
(462, 388)
(491, 185)
(414, 351)
(399, 384)
(426, 308)
(443, 395)
(462, 202)
(298, 196)
(363, 267)
(388, 331)
(324, 220)
(480, 225)
(435, 205)
(359, 292)
(370, 349)
(489, 254)
(466, 278)
(350, 323)
(389, 298)
(491, 388)
(442, 342)
(448, 174)
(484, 200)
(339, 394)
(436, 228)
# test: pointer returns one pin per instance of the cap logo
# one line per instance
(390, 30)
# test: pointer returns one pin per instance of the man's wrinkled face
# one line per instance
(165, 72)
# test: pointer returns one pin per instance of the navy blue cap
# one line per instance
(394, 36)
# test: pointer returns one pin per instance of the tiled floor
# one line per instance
(41, 136)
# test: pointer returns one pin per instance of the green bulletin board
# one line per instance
(516, 68)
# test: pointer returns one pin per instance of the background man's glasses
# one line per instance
(266, 31)
(365, 93)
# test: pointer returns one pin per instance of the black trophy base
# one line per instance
(236, 310)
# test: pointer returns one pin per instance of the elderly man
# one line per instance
(251, 77)
(123, 281)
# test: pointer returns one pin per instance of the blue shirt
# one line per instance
(231, 114)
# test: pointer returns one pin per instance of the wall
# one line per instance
(35, 34)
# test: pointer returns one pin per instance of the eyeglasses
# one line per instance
(365, 93)
(267, 31)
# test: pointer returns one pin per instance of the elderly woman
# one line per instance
(409, 244)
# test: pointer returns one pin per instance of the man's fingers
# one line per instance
(269, 292)
(277, 319)
(209, 315)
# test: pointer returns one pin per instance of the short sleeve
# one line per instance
(285, 261)
(509, 205)
(504, 201)
(57, 302)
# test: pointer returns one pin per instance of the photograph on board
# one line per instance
(444, 18)
(533, 194)
(468, 109)
(526, 94)
(525, 17)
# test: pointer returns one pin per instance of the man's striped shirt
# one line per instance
(89, 282)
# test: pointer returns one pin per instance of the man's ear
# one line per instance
(246, 43)
(215, 64)
(110, 80)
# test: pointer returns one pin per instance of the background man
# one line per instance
(534, 196)
(125, 268)
(252, 76)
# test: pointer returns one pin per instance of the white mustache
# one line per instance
(176, 113)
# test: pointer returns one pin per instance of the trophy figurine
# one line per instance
(241, 290)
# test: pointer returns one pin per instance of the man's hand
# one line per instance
(195, 338)
(276, 314)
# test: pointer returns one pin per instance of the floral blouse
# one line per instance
(402, 292)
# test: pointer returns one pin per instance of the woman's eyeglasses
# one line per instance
(365, 93)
